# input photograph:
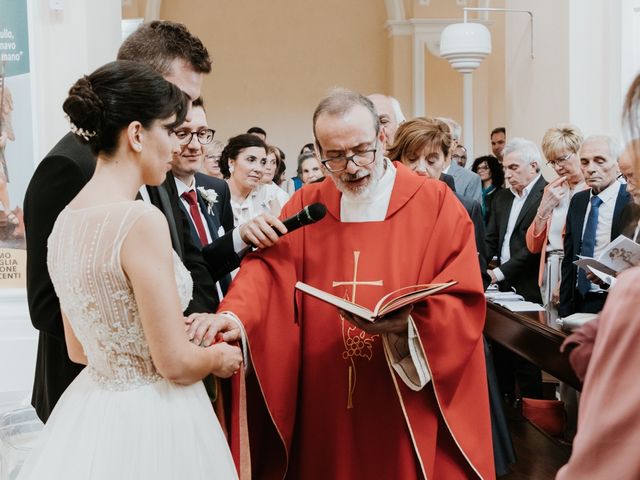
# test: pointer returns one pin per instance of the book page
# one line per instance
(397, 299)
(620, 254)
(331, 299)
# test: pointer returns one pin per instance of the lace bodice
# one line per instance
(95, 294)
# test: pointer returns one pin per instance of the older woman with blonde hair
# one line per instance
(560, 146)
(211, 164)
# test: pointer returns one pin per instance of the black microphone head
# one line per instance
(315, 211)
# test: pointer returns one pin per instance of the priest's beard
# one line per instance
(361, 192)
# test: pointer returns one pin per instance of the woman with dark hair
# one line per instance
(138, 409)
(243, 164)
(491, 174)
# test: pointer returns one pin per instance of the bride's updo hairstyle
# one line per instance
(101, 105)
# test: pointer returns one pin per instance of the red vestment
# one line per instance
(326, 404)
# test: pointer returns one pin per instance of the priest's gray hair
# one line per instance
(339, 101)
(528, 150)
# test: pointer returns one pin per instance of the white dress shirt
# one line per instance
(609, 196)
(559, 219)
(182, 187)
(516, 208)
(265, 198)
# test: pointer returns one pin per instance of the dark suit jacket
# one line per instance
(474, 210)
(629, 220)
(57, 180)
(521, 270)
(573, 243)
(219, 255)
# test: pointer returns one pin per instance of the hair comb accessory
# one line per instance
(81, 132)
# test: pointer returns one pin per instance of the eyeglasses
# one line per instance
(458, 157)
(204, 136)
(560, 161)
(360, 159)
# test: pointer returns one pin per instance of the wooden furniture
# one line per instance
(532, 336)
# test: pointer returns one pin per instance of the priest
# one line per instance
(330, 395)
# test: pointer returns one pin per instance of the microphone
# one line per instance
(308, 215)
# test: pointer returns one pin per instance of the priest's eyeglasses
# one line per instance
(361, 159)
(204, 136)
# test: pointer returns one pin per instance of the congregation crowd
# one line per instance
(141, 224)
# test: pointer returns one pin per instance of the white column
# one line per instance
(467, 79)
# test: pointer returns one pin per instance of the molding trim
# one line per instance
(395, 10)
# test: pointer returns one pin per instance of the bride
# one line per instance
(138, 411)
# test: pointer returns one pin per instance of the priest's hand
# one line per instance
(205, 329)
(261, 231)
(395, 322)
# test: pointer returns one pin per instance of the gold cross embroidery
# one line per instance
(356, 344)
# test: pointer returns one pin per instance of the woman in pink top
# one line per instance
(606, 446)
(560, 146)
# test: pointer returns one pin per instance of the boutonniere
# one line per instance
(210, 196)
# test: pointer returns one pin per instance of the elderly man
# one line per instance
(467, 182)
(333, 396)
(594, 219)
(387, 115)
(514, 210)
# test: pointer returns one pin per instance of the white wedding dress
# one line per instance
(119, 419)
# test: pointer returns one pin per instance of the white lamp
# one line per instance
(465, 45)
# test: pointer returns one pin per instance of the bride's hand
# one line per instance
(229, 359)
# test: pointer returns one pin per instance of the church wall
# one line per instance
(273, 61)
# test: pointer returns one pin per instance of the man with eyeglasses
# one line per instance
(204, 199)
(334, 396)
(459, 156)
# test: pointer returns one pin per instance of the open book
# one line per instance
(620, 254)
(389, 303)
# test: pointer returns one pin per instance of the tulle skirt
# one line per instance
(156, 432)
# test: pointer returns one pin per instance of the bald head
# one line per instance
(387, 116)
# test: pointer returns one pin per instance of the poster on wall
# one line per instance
(16, 139)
